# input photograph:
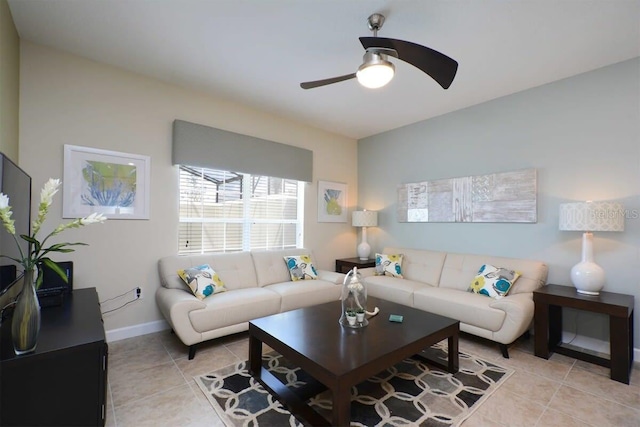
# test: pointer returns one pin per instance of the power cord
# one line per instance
(118, 308)
(137, 290)
(138, 295)
(575, 324)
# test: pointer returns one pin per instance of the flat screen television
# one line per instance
(15, 183)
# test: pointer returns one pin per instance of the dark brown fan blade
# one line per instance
(439, 66)
(318, 83)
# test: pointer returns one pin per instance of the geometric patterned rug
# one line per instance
(409, 393)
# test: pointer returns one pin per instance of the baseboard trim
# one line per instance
(136, 330)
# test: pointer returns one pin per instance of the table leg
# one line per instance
(541, 327)
(620, 348)
(255, 355)
(453, 356)
(341, 414)
(555, 326)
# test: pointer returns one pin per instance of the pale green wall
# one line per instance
(582, 134)
(9, 82)
(65, 99)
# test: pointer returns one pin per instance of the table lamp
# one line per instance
(587, 276)
(364, 219)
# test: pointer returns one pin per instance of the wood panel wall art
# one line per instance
(497, 197)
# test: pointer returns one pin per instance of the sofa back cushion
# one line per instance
(420, 265)
(235, 269)
(460, 269)
(271, 267)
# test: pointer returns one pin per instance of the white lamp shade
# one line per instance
(591, 216)
(364, 219)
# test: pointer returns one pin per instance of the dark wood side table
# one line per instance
(346, 264)
(549, 301)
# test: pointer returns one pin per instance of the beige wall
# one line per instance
(9, 80)
(65, 99)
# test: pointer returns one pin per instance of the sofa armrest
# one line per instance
(331, 276)
(175, 305)
(515, 302)
(519, 309)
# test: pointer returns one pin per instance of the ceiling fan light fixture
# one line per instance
(376, 71)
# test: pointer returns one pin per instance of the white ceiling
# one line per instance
(256, 52)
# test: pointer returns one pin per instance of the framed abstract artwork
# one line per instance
(109, 182)
(332, 201)
(497, 197)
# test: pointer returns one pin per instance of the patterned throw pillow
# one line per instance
(493, 282)
(389, 265)
(301, 268)
(202, 280)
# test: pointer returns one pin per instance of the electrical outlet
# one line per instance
(139, 294)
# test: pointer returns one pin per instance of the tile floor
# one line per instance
(151, 384)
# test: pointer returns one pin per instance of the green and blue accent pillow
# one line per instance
(202, 280)
(389, 265)
(301, 268)
(494, 282)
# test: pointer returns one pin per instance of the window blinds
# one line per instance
(222, 211)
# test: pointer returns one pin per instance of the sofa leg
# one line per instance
(192, 351)
(505, 350)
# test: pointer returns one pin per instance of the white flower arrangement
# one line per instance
(37, 253)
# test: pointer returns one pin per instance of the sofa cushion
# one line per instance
(231, 308)
(420, 265)
(389, 265)
(305, 293)
(300, 267)
(236, 269)
(466, 307)
(392, 288)
(492, 281)
(460, 269)
(270, 268)
(202, 280)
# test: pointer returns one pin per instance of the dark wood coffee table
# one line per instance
(338, 357)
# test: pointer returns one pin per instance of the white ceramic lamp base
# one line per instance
(587, 276)
(364, 250)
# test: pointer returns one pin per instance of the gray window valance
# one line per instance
(207, 147)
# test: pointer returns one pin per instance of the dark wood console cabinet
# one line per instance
(63, 383)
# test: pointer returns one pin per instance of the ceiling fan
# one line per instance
(376, 70)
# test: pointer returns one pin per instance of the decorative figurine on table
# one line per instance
(354, 301)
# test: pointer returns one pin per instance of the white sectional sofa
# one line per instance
(258, 284)
(437, 282)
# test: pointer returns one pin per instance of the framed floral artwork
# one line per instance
(332, 201)
(109, 182)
